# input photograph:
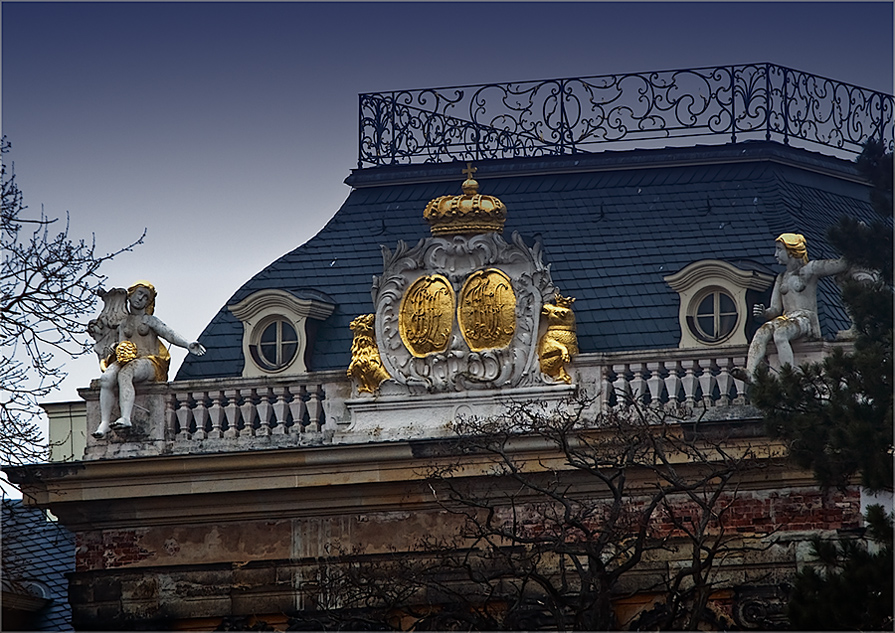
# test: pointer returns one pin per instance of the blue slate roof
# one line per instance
(37, 553)
(612, 226)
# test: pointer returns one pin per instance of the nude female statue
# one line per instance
(793, 310)
(129, 328)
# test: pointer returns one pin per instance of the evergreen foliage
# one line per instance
(854, 589)
(837, 419)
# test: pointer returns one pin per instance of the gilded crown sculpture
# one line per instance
(466, 214)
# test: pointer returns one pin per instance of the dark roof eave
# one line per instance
(611, 160)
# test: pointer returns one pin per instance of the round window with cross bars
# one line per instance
(712, 316)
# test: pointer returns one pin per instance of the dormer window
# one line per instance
(714, 309)
(276, 345)
(277, 326)
(715, 316)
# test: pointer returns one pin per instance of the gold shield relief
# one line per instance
(487, 310)
(426, 316)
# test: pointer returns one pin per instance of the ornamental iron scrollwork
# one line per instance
(586, 114)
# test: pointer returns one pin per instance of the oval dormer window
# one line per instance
(276, 344)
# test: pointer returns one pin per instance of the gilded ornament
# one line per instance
(560, 342)
(486, 310)
(468, 214)
(125, 352)
(426, 316)
(366, 364)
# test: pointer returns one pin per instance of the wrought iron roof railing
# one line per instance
(586, 114)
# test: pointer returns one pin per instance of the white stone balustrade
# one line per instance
(239, 414)
(225, 415)
(250, 411)
(681, 378)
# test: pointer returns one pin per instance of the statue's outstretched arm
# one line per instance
(163, 331)
(826, 267)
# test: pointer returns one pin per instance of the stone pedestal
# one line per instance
(403, 417)
(145, 438)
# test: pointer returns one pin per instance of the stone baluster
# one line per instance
(264, 410)
(638, 383)
(605, 391)
(620, 387)
(706, 381)
(231, 411)
(216, 414)
(200, 415)
(689, 382)
(724, 380)
(654, 382)
(315, 408)
(297, 407)
(739, 384)
(673, 384)
(247, 409)
(280, 410)
(184, 416)
(170, 417)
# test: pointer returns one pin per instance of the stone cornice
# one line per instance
(337, 479)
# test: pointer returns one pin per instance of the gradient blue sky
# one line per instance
(226, 129)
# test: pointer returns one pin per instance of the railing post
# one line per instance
(170, 416)
(706, 381)
(785, 105)
(360, 130)
(724, 380)
(315, 408)
(183, 418)
(564, 121)
(264, 410)
(739, 384)
(297, 407)
(638, 383)
(200, 415)
(654, 382)
(673, 383)
(621, 387)
(280, 409)
(690, 382)
(733, 105)
(231, 411)
(392, 127)
(216, 413)
(247, 409)
(768, 102)
(605, 390)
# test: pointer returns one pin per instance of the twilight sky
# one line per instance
(226, 129)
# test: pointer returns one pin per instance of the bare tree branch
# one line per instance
(48, 282)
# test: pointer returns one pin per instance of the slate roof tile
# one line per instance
(41, 551)
(610, 236)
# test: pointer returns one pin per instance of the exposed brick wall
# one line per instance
(781, 511)
(746, 512)
(106, 549)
